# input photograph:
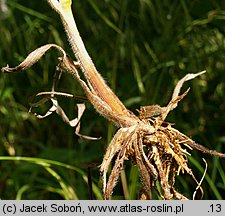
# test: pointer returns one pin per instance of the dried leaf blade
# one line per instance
(32, 58)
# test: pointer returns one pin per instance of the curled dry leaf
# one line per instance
(32, 58)
(58, 109)
(187, 77)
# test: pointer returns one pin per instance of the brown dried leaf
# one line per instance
(32, 58)
(182, 81)
(48, 96)
(176, 97)
(57, 108)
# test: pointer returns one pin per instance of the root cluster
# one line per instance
(159, 156)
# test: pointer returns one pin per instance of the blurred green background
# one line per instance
(142, 48)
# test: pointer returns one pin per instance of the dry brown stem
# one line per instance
(155, 147)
